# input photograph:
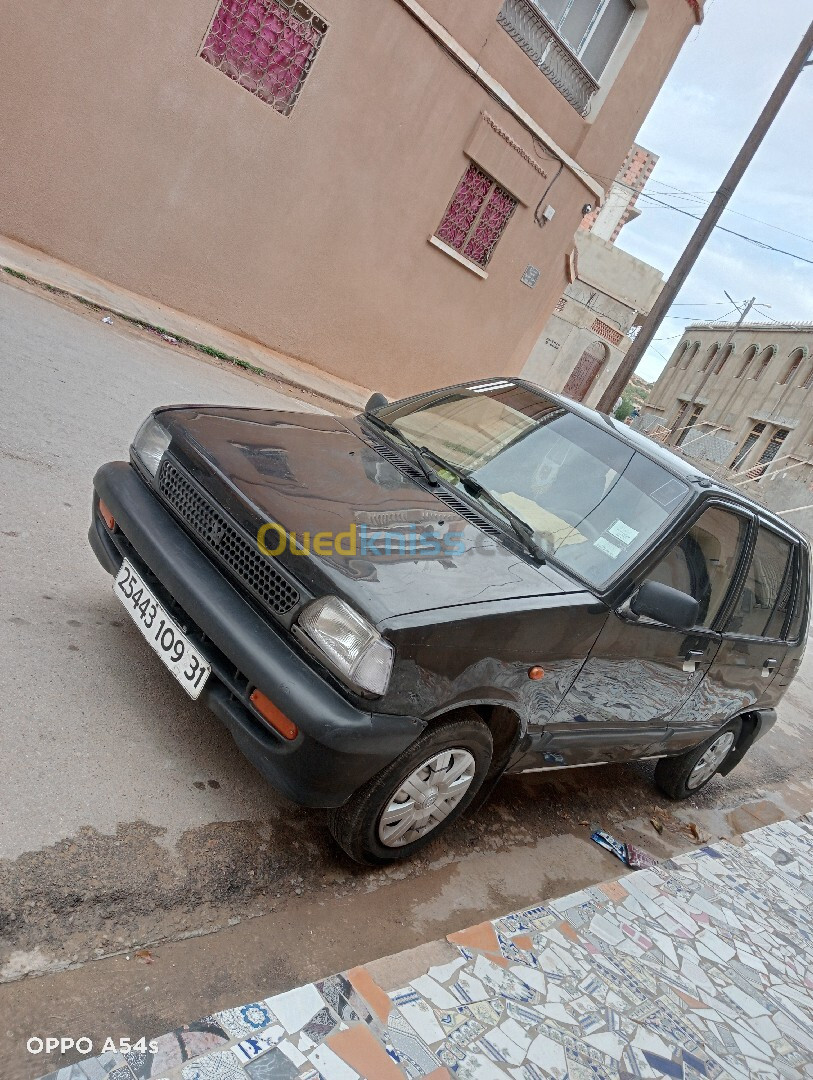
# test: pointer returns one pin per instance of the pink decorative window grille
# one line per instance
(476, 217)
(606, 331)
(267, 46)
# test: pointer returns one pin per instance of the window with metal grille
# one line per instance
(476, 217)
(747, 446)
(570, 41)
(267, 46)
(773, 448)
(592, 28)
(696, 411)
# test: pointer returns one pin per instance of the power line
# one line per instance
(738, 213)
(732, 232)
(704, 202)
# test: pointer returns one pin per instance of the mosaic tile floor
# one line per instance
(700, 967)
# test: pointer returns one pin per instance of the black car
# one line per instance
(389, 612)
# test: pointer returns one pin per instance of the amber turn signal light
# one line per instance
(272, 716)
(108, 518)
(536, 673)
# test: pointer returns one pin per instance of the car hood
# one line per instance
(393, 547)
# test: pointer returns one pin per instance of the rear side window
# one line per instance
(762, 607)
(703, 563)
(802, 574)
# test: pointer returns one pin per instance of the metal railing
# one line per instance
(526, 24)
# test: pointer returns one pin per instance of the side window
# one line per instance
(704, 561)
(802, 573)
(763, 604)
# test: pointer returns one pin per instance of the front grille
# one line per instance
(229, 546)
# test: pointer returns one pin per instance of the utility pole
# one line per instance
(801, 59)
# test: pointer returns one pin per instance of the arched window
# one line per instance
(809, 380)
(585, 373)
(691, 354)
(715, 348)
(724, 355)
(750, 353)
(765, 358)
(796, 358)
(680, 353)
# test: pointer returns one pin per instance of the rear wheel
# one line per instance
(418, 795)
(685, 775)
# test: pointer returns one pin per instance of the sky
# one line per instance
(705, 110)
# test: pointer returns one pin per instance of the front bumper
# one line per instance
(339, 746)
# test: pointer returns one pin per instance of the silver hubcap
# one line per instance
(426, 797)
(710, 762)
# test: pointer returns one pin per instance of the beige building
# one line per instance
(386, 189)
(745, 403)
(609, 293)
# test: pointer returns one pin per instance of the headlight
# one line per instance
(150, 444)
(351, 645)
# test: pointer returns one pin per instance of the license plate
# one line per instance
(161, 631)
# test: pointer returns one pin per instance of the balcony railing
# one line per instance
(526, 24)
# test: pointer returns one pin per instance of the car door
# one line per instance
(754, 641)
(640, 673)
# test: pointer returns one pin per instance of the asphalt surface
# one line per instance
(129, 818)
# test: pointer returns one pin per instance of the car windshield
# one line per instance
(592, 501)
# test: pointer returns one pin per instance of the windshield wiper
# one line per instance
(522, 529)
(473, 487)
(415, 454)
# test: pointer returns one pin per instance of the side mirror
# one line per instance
(375, 401)
(665, 605)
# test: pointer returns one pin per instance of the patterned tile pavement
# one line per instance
(701, 967)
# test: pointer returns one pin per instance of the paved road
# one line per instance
(128, 814)
(90, 727)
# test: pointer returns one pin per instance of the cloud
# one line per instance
(704, 112)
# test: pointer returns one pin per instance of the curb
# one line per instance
(61, 279)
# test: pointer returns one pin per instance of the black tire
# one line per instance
(355, 826)
(673, 775)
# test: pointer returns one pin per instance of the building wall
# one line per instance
(123, 152)
(619, 207)
(732, 400)
(611, 292)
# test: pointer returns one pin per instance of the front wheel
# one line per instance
(416, 796)
(685, 775)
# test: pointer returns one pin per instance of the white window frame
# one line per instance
(579, 51)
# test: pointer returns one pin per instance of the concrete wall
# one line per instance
(733, 400)
(123, 152)
(613, 287)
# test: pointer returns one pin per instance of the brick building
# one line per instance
(619, 207)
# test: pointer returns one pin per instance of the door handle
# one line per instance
(691, 660)
(768, 668)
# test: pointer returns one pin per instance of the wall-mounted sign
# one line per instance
(531, 276)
